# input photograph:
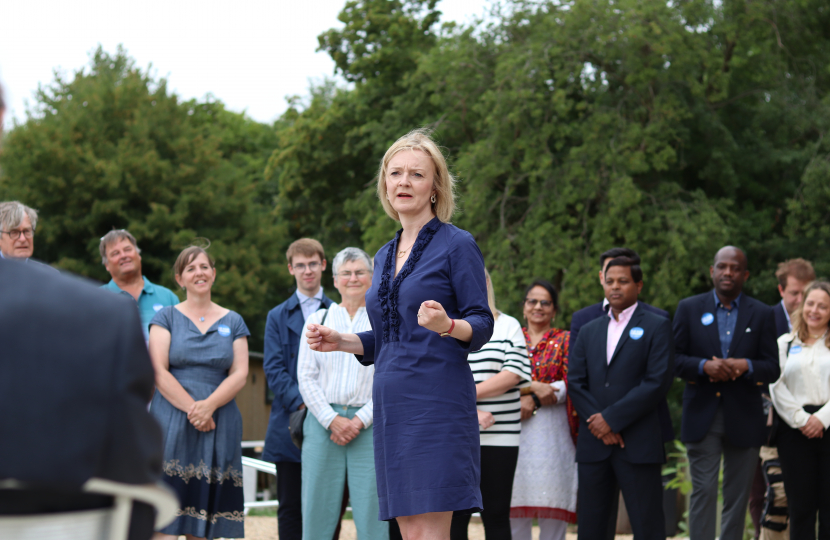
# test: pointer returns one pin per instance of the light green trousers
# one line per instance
(327, 467)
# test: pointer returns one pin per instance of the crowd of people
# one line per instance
(428, 403)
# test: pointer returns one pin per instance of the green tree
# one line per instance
(113, 148)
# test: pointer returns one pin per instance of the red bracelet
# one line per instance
(448, 332)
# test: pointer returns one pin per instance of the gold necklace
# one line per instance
(402, 252)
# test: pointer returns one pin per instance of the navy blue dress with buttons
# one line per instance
(205, 469)
(426, 435)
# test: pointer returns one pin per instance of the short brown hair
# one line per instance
(187, 256)
(800, 269)
(307, 247)
(799, 326)
(112, 237)
(420, 139)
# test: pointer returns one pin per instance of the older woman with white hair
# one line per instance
(428, 308)
(337, 435)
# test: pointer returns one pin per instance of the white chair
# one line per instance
(110, 523)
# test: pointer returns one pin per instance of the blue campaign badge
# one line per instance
(636, 332)
(224, 330)
(707, 319)
(157, 307)
(795, 349)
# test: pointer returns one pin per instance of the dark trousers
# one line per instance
(805, 464)
(642, 489)
(498, 466)
(289, 513)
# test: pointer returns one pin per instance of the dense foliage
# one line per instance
(671, 127)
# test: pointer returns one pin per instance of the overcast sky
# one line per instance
(250, 54)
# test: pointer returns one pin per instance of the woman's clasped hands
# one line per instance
(201, 416)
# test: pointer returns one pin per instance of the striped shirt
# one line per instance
(506, 351)
(336, 378)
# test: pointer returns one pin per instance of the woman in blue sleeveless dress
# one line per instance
(428, 308)
(200, 353)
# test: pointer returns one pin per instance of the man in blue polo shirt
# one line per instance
(121, 257)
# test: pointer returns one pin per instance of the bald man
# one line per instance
(725, 350)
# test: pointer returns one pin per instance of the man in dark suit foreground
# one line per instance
(620, 368)
(75, 380)
(726, 351)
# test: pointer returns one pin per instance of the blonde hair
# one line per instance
(491, 295)
(444, 183)
(799, 324)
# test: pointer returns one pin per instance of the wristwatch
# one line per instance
(448, 332)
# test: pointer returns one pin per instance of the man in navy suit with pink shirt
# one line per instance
(620, 369)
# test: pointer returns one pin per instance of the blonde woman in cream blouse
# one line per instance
(802, 399)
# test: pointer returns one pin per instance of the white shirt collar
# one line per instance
(787, 315)
(305, 299)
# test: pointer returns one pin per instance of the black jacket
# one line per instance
(595, 311)
(627, 391)
(754, 339)
(75, 381)
(781, 325)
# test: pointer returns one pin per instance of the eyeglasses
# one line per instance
(348, 275)
(531, 303)
(302, 267)
(15, 234)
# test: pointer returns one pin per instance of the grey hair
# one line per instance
(112, 237)
(350, 254)
(12, 213)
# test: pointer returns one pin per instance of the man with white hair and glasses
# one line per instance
(17, 231)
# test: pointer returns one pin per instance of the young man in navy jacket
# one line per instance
(620, 369)
(283, 331)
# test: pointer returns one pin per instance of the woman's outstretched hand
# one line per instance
(323, 338)
(431, 315)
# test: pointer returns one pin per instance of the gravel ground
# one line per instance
(265, 528)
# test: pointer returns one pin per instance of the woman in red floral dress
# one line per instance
(545, 483)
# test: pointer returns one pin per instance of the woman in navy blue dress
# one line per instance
(200, 353)
(428, 308)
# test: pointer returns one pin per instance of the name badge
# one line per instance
(707, 319)
(223, 330)
(795, 350)
(157, 307)
(636, 332)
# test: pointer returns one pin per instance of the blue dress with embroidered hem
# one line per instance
(204, 469)
(426, 436)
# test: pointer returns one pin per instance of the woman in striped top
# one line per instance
(498, 368)
(545, 483)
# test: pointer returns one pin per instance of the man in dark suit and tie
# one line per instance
(725, 351)
(283, 329)
(793, 277)
(75, 380)
(620, 369)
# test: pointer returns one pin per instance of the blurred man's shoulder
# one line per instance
(39, 284)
